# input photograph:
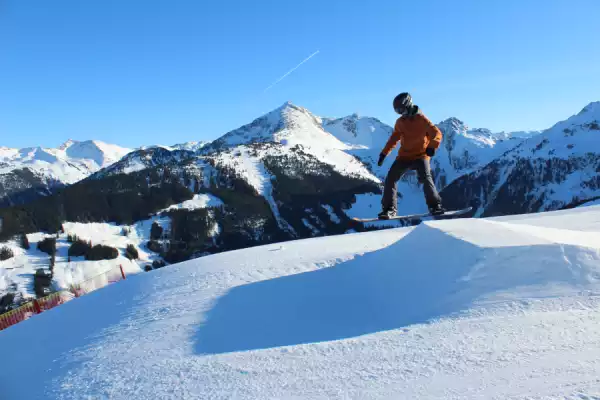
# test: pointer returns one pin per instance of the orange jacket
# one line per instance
(415, 134)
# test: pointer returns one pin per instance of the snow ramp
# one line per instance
(445, 310)
(438, 270)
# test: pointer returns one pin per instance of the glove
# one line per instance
(430, 151)
(381, 158)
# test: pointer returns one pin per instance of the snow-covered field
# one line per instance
(18, 271)
(198, 201)
(500, 308)
(16, 274)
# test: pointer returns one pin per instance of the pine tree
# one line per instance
(25, 242)
(6, 253)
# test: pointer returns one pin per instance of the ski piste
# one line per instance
(447, 214)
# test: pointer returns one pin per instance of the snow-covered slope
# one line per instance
(43, 168)
(288, 141)
(189, 146)
(546, 172)
(198, 201)
(591, 203)
(142, 159)
(16, 273)
(372, 315)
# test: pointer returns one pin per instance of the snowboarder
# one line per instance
(419, 138)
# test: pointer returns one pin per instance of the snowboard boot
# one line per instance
(437, 210)
(386, 214)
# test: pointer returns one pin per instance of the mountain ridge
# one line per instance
(558, 167)
(33, 171)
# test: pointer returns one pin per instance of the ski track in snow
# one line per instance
(499, 308)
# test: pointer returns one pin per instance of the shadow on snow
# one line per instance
(376, 292)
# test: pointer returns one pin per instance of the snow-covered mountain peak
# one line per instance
(67, 144)
(587, 119)
(143, 158)
(190, 146)
(70, 162)
(484, 137)
(553, 169)
(90, 151)
(453, 124)
(464, 149)
(576, 136)
(288, 125)
(35, 154)
(294, 129)
(358, 132)
(288, 104)
(101, 153)
(453, 128)
(593, 108)
(87, 149)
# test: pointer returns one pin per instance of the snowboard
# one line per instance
(447, 214)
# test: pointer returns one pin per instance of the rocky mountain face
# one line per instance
(464, 150)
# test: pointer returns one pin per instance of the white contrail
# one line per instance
(292, 70)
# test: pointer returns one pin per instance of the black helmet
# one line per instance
(402, 103)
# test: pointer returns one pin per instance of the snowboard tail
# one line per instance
(447, 214)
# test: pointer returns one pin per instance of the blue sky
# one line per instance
(139, 72)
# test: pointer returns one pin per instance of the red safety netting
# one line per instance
(55, 299)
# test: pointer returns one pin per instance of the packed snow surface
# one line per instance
(500, 308)
(591, 203)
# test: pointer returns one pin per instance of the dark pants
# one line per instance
(397, 170)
